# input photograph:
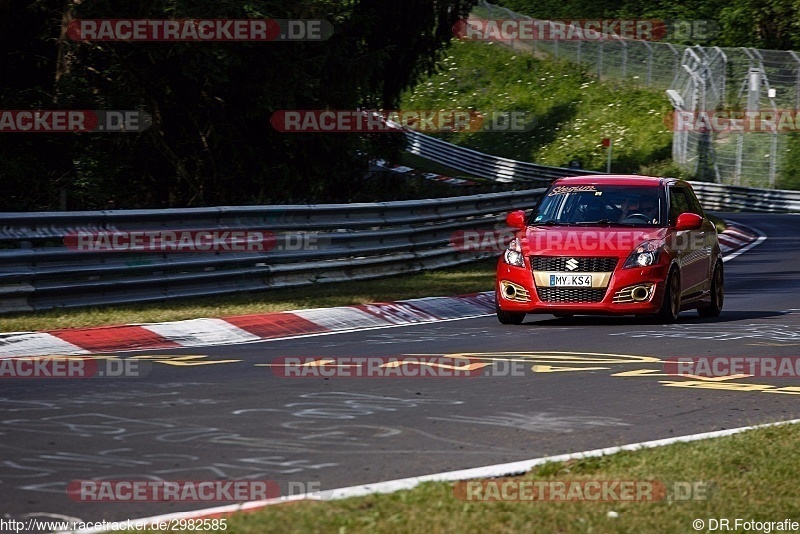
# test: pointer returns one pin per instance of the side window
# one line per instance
(694, 204)
(678, 203)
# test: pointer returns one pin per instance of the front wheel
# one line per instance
(507, 317)
(671, 305)
(717, 295)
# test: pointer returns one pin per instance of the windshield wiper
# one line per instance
(553, 222)
(601, 222)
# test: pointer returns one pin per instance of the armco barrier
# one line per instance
(735, 198)
(484, 165)
(355, 242)
(714, 196)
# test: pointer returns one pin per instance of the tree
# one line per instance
(211, 141)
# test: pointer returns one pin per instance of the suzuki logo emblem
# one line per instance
(572, 264)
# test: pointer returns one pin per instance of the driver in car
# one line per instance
(648, 207)
(634, 208)
(629, 206)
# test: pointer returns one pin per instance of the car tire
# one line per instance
(507, 317)
(671, 305)
(717, 294)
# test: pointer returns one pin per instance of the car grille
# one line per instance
(585, 265)
(570, 294)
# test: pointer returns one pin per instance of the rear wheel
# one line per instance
(671, 305)
(717, 294)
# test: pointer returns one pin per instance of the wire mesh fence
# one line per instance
(742, 104)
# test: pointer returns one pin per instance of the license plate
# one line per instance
(570, 280)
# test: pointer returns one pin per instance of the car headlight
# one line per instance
(645, 255)
(513, 254)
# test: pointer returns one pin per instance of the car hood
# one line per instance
(585, 240)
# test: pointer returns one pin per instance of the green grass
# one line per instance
(425, 165)
(789, 176)
(469, 278)
(574, 110)
(719, 223)
(750, 476)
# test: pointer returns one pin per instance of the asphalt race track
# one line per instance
(589, 382)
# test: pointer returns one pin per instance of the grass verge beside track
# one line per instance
(750, 476)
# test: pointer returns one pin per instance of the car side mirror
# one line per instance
(688, 221)
(516, 219)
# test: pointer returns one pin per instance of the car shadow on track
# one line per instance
(686, 317)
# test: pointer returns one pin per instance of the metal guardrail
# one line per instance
(484, 165)
(356, 242)
(721, 197)
(714, 196)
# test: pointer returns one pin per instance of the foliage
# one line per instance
(770, 24)
(789, 175)
(574, 111)
(211, 142)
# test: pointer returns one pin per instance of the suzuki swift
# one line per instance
(619, 245)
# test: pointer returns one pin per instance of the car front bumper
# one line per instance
(635, 291)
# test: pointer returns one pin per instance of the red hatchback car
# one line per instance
(620, 245)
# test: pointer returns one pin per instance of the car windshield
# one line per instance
(597, 204)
